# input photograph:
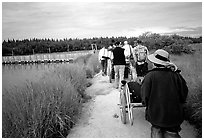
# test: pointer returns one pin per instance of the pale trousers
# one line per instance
(109, 67)
(119, 74)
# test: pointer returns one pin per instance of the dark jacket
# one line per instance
(164, 92)
(118, 56)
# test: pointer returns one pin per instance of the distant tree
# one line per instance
(173, 43)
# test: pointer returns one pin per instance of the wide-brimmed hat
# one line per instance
(159, 57)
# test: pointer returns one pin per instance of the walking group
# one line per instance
(125, 59)
(163, 89)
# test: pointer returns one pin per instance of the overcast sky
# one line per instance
(102, 19)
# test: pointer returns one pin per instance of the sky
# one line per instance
(59, 20)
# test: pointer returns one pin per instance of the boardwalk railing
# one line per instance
(44, 58)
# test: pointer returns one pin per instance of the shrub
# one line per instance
(89, 72)
(90, 63)
(176, 48)
(168, 49)
(179, 48)
(93, 64)
(188, 49)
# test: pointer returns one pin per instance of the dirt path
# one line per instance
(101, 116)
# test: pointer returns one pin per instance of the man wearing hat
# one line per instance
(163, 92)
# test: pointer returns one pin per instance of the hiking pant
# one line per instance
(159, 132)
(104, 66)
(130, 71)
(119, 74)
(127, 70)
(109, 67)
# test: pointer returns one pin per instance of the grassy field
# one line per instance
(191, 70)
(49, 107)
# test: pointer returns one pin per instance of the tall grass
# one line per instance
(191, 67)
(92, 66)
(90, 63)
(47, 108)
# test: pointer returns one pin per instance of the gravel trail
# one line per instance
(101, 116)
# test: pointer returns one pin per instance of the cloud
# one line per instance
(184, 31)
(81, 19)
(187, 31)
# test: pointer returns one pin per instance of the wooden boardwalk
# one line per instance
(44, 58)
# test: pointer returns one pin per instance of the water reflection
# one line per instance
(14, 75)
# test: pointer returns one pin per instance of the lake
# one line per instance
(17, 74)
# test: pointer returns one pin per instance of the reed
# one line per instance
(92, 66)
(41, 109)
(47, 108)
(191, 67)
(90, 63)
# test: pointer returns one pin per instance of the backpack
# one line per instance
(135, 89)
(141, 53)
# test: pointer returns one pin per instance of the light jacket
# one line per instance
(128, 51)
(110, 51)
(102, 54)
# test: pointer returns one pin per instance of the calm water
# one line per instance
(15, 75)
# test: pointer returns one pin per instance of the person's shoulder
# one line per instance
(115, 48)
(124, 46)
(152, 72)
(149, 72)
(157, 70)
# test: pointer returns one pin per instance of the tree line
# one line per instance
(172, 43)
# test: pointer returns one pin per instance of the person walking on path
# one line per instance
(128, 51)
(103, 58)
(163, 92)
(140, 53)
(110, 58)
(119, 64)
(128, 56)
